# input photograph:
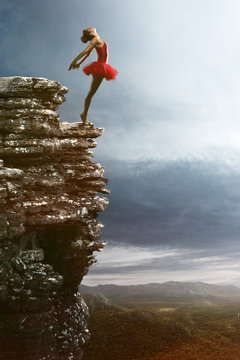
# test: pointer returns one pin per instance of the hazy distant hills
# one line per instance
(168, 290)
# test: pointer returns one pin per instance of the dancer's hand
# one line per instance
(73, 65)
(77, 66)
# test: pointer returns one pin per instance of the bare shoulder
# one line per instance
(97, 42)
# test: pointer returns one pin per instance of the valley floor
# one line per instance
(158, 330)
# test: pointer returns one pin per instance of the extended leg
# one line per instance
(96, 82)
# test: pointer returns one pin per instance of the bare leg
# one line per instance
(96, 82)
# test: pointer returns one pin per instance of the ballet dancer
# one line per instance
(99, 69)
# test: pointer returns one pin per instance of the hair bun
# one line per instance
(84, 39)
(86, 36)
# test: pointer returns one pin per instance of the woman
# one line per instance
(99, 69)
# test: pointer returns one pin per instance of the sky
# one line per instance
(171, 148)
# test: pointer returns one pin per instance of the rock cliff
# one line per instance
(48, 229)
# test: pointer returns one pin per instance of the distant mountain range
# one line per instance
(165, 291)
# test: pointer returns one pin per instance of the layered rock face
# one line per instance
(48, 229)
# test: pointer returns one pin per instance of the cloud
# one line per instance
(180, 204)
(135, 265)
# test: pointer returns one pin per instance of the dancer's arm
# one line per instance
(77, 65)
(86, 52)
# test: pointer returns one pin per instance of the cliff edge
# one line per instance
(48, 229)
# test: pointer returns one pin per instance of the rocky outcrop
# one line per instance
(48, 229)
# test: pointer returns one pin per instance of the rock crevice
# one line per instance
(49, 199)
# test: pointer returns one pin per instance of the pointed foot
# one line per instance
(84, 120)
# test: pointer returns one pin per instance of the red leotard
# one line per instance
(101, 67)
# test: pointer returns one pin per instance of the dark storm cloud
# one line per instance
(180, 204)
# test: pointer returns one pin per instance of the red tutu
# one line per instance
(100, 67)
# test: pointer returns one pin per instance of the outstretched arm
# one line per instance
(85, 52)
(77, 65)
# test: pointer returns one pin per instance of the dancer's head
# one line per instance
(88, 34)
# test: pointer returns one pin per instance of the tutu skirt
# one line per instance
(101, 69)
